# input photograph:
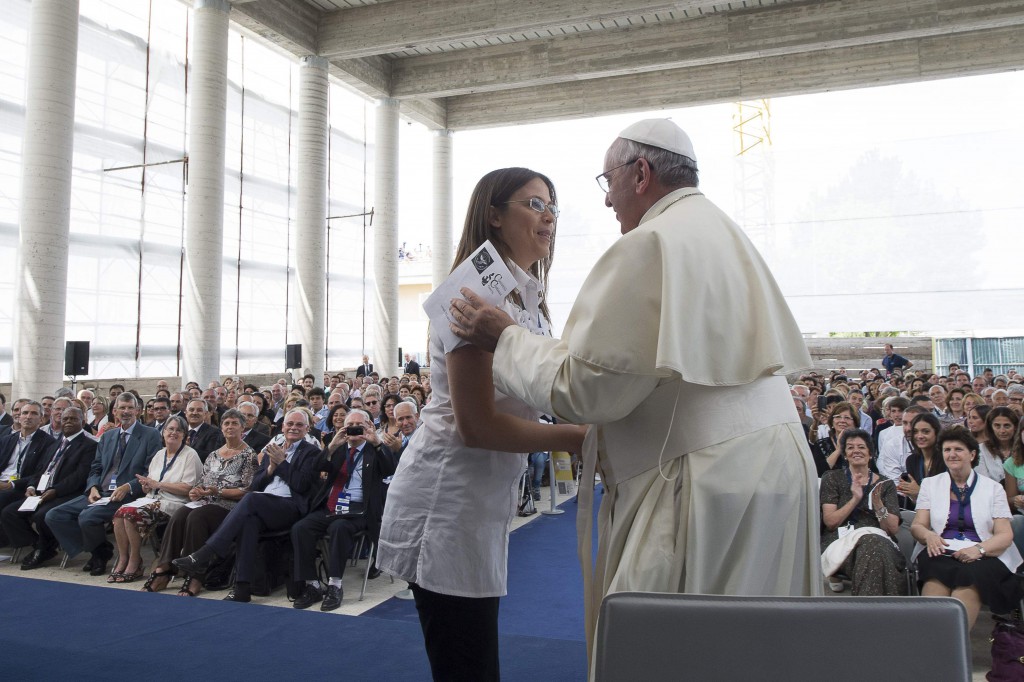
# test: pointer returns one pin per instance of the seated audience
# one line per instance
(1013, 483)
(177, 404)
(123, 453)
(255, 434)
(281, 490)
(226, 477)
(925, 460)
(892, 415)
(5, 417)
(387, 423)
(161, 412)
(1000, 435)
(896, 444)
(841, 417)
(963, 526)
(21, 453)
(59, 476)
(954, 413)
(335, 423)
(860, 512)
(1015, 396)
(972, 400)
(975, 422)
(350, 500)
(202, 437)
(408, 420)
(173, 471)
(51, 424)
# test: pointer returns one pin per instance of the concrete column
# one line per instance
(42, 271)
(442, 249)
(311, 212)
(204, 232)
(385, 239)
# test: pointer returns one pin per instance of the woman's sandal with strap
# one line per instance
(185, 590)
(153, 577)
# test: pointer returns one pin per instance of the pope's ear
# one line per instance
(493, 217)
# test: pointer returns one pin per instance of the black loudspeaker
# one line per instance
(400, 358)
(76, 358)
(293, 356)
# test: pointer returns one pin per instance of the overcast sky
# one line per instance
(948, 155)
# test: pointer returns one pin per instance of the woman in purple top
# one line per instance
(963, 526)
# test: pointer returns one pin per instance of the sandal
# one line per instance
(155, 576)
(115, 576)
(186, 586)
(129, 577)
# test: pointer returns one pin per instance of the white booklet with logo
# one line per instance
(485, 274)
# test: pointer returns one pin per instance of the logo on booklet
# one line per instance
(482, 261)
(494, 283)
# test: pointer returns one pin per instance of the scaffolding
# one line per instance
(754, 174)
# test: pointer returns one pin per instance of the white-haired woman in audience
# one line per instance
(963, 526)
(860, 511)
(224, 479)
(173, 471)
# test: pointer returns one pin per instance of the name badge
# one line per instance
(845, 530)
(44, 483)
(113, 484)
(343, 504)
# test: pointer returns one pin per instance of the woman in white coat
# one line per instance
(963, 526)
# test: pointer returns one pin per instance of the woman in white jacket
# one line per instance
(963, 521)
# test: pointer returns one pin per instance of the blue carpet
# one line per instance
(59, 630)
(545, 587)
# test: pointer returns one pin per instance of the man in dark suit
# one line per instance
(19, 452)
(253, 433)
(411, 366)
(161, 412)
(122, 454)
(201, 437)
(177, 405)
(279, 497)
(59, 475)
(5, 418)
(364, 369)
(350, 500)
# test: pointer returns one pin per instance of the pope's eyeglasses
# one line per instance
(602, 179)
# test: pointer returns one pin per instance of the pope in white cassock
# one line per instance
(675, 351)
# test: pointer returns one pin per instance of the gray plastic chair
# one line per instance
(650, 636)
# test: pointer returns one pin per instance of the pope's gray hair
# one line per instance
(671, 169)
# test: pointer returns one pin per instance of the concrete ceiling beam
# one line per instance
(714, 39)
(965, 54)
(289, 25)
(407, 24)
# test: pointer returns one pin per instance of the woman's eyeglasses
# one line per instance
(537, 204)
